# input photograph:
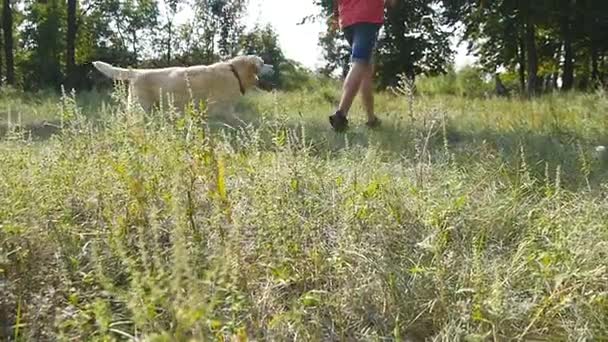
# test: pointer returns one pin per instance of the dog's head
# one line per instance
(249, 68)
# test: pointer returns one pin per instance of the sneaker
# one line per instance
(338, 121)
(375, 122)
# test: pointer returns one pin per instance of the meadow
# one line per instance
(460, 219)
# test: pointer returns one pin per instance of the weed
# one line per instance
(460, 220)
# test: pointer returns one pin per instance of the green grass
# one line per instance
(458, 220)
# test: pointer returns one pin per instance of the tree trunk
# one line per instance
(1, 57)
(567, 19)
(532, 56)
(134, 35)
(522, 65)
(169, 46)
(550, 83)
(7, 28)
(568, 76)
(554, 80)
(71, 43)
(602, 67)
(595, 65)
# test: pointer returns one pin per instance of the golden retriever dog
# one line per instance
(221, 82)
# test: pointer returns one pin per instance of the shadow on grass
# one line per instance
(38, 131)
(401, 139)
(38, 113)
(540, 152)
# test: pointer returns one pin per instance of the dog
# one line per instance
(221, 82)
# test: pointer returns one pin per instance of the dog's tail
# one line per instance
(118, 74)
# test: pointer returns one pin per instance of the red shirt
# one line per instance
(360, 11)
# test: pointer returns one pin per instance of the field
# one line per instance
(458, 220)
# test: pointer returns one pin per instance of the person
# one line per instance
(360, 20)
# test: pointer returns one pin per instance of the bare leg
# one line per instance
(367, 94)
(352, 84)
(362, 39)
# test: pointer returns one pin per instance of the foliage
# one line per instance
(131, 33)
(468, 82)
(413, 41)
(549, 44)
(545, 42)
(264, 42)
(561, 30)
(43, 42)
(336, 51)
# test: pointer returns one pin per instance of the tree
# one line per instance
(494, 30)
(228, 14)
(1, 45)
(7, 28)
(43, 38)
(213, 33)
(336, 52)
(504, 33)
(264, 42)
(591, 36)
(59, 38)
(526, 10)
(168, 32)
(133, 24)
(414, 41)
(566, 23)
(71, 41)
(548, 37)
(542, 40)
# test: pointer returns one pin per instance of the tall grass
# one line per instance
(469, 82)
(466, 220)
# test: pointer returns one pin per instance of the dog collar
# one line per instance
(236, 74)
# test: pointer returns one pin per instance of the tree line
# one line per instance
(49, 43)
(548, 44)
(543, 44)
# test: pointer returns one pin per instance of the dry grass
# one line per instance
(459, 220)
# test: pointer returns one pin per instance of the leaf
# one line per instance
(294, 184)
(221, 179)
(311, 299)
(460, 202)
(281, 273)
(215, 324)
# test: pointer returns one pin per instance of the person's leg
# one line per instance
(352, 84)
(367, 96)
(362, 38)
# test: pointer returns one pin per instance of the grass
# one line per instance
(460, 219)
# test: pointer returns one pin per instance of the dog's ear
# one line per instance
(252, 68)
(260, 62)
(257, 62)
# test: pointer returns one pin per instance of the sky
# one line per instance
(299, 42)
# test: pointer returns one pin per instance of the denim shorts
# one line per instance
(362, 38)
